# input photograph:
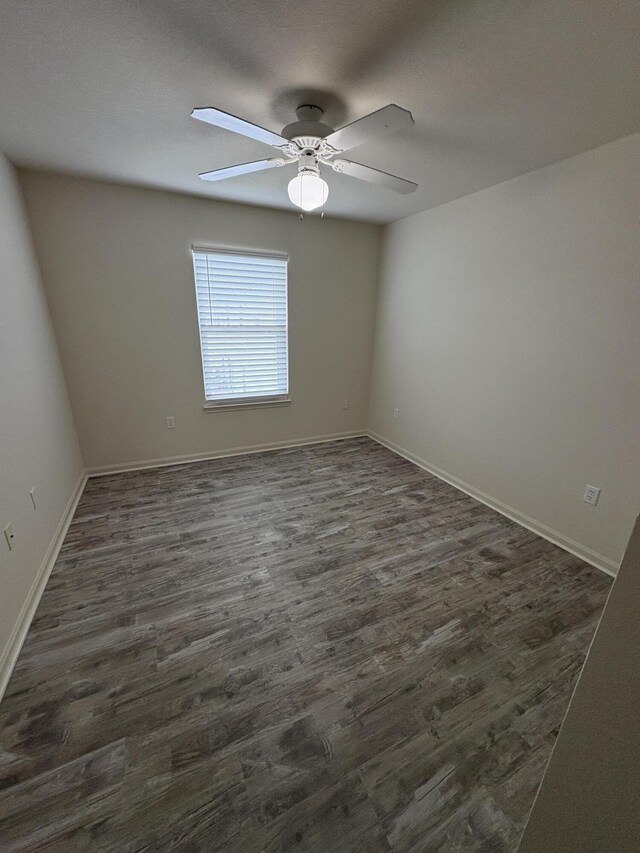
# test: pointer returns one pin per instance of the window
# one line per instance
(242, 313)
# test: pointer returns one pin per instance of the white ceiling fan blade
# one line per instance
(218, 118)
(242, 169)
(389, 119)
(374, 176)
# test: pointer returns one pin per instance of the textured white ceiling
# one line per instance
(497, 88)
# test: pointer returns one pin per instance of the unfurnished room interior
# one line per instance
(320, 426)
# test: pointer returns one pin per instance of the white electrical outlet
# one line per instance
(9, 535)
(345, 405)
(591, 495)
(396, 412)
(171, 422)
(32, 495)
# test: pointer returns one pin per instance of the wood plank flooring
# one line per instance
(321, 649)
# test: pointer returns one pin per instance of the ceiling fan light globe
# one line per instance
(308, 191)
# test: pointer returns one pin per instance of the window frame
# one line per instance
(248, 402)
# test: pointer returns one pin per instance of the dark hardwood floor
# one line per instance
(320, 649)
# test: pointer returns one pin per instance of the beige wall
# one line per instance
(38, 443)
(506, 334)
(589, 800)
(117, 267)
(508, 337)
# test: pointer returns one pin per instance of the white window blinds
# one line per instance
(242, 312)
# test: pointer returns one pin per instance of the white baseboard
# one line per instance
(104, 470)
(599, 561)
(9, 654)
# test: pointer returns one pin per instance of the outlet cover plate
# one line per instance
(591, 495)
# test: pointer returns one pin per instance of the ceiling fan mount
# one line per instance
(309, 143)
(309, 126)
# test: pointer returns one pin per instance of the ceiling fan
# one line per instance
(310, 143)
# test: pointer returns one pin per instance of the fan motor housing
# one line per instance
(308, 130)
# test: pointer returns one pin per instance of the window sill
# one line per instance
(249, 404)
